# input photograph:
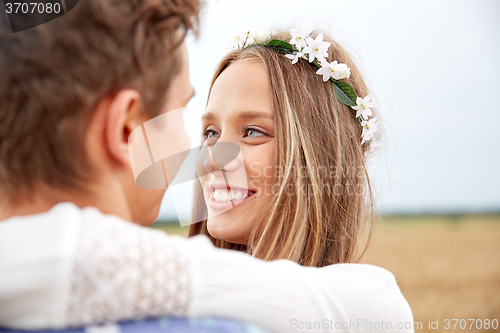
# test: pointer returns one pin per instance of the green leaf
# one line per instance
(279, 43)
(345, 93)
(280, 50)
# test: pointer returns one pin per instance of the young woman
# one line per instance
(307, 195)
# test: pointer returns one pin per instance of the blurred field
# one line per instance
(447, 266)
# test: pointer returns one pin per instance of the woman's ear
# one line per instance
(122, 118)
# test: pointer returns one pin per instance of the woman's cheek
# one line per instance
(268, 171)
(255, 169)
(260, 166)
(255, 185)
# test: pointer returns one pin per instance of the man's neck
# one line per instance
(44, 198)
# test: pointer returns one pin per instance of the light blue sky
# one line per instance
(434, 67)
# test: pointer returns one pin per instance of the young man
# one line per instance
(71, 92)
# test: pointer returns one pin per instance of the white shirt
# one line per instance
(74, 267)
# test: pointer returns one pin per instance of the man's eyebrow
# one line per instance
(241, 115)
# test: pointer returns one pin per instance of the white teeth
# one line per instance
(224, 196)
(217, 195)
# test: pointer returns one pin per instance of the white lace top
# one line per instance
(74, 267)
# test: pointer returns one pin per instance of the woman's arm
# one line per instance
(282, 296)
(137, 272)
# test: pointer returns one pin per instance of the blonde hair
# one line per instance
(317, 133)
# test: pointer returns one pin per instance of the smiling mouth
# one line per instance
(222, 196)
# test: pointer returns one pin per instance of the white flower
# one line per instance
(364, 107)
(261, 36)
(369, 129)
(333, 69)
(325, 70)
(236, 42)
(247, 37)
(342, 70)
(295, 57)
(316, 48)
(298, 38)
(233, 46)
(241, 39)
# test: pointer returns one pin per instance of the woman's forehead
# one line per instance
(243, 86)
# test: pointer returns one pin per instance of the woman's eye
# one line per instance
(210, 134)
(252, 132)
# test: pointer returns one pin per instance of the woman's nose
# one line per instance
(221, 155)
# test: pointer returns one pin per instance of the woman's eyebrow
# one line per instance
(241, 115)
(255, 114)
(208, 116)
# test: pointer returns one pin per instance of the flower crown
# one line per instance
(300, 45)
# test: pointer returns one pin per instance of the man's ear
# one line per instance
(122, 118)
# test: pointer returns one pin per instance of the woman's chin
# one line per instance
(218, 227)
(221, 228)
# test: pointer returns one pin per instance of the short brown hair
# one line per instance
(54, 75)
(313, 131)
